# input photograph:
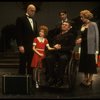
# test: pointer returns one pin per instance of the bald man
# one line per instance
(26, 29)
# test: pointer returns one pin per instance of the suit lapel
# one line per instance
(29, 25)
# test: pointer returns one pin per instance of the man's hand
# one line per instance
(57, 46)
(21, 49)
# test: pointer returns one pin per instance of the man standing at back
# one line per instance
(63, 16)
(26, 28)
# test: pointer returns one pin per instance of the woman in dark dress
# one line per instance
(89, 47)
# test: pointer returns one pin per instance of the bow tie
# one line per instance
(29, 17)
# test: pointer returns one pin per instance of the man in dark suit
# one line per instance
(26, 28)
(53, 32)
(64, 43)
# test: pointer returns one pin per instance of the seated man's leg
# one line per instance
(45, 66)
(49, 64)
(61, 69)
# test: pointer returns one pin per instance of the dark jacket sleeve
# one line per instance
(19, 32)
(68, 44)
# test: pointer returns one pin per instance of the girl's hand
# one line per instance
(41, 55)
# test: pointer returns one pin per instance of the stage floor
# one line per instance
(45, 92)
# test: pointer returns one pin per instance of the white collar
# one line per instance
(40, 39)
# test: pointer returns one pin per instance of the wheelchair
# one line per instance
(71, 69)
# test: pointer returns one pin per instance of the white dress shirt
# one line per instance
(31, 21)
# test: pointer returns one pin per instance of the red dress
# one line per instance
(40, 46)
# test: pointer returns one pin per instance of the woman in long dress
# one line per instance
(89, 47)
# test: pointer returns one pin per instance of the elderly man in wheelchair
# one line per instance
(56, 61)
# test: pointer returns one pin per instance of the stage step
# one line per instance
(9, 59)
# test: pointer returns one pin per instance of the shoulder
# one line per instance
(34, 20)
(93, 23)
(46, 40)
(36, 38)
(71, 35)
(21, 18)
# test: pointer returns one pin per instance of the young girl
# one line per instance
(39, 45)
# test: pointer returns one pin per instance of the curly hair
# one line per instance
(86, 14)
(45, 28)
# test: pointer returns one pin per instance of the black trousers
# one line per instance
(55, 66)
(25, 62)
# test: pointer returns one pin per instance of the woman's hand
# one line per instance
(78, 41)
(96, 56)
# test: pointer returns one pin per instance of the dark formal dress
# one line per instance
(87, 61)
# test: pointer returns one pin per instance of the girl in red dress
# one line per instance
(39, 45)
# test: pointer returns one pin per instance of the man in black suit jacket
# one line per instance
(26, 28)
(63, 16)
(64, 43)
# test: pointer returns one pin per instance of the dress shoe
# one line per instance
(59, 84)
(37, 85)
(89, 84)
(51, 82)
(83, 83)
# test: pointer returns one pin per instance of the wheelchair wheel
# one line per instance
(72, 72)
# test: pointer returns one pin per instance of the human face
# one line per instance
(31, 10)
(41, 33)
(84, 20)
(63, 16)
(65, 26)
